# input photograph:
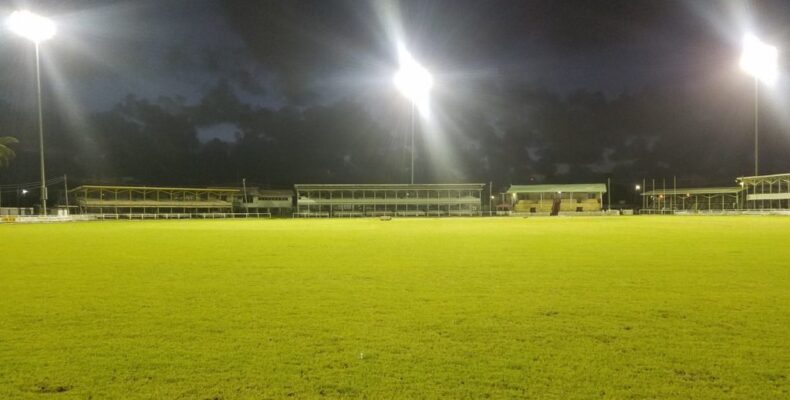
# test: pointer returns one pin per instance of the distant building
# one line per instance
(273, 201)
(692, 199)
(97, 199)
(554, 199)
(766, 191)
(360, 200)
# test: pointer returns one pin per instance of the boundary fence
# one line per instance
(135, 216)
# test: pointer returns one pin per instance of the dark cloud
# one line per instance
(565, 44)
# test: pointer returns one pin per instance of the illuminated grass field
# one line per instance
(570, 308)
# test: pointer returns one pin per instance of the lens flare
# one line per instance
(414, 81)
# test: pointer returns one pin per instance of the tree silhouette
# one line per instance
(6, 153)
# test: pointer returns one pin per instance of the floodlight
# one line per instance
(31, 26)
(24, 191)
(638, 187)
(36, 29)
(759, 59)
(413, 80)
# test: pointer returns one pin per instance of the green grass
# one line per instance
(566, 308)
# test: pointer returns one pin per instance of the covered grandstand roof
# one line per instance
(99, 197)
(273, 192)
(760, 177)
(568, 188)
(390, 186)
(103, 187)
(682, 191)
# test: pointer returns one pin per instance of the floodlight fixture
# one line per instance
(413, 80)
(31, 26)
(415, 83)
(37, 29)
(759, 59)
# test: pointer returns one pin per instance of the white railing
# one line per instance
(313, 214)
(45, 219)
(143, 216)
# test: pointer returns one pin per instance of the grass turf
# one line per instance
(630, 307)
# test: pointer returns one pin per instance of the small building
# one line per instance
(271, 201)
(692, 199)
(554, 199)
(152, 200)
(360, 200)
(766, 191)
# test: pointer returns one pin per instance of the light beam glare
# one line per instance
(413, 81)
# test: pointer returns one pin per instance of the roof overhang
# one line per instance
(693, 191)
(763, 177)
(391, 186)
(154, 188)
(564, 188)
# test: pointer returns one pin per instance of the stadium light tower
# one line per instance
(36, 29)
(415, 83)
(759, 60)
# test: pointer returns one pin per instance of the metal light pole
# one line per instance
(36, 29)
(608, 194)
(637, 192)
(759, 60)
(412, 143)
(490, 198)
(41, 135)
(756, 126)
(244, 188)
(414, 82)
(66, 192)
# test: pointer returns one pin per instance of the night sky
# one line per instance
(283, 92)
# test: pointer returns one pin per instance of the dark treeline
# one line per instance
(703, 135)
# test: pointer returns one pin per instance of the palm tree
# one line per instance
(6, 154)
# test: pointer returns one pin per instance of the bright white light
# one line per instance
(759, 59)
(638, 187)
(24, 191)
(31, 26)
(414, 81)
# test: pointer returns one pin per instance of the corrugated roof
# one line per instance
(103, 187)
(785, 175)
(391, 186)
(568, 188)
(684, 191)
(274, 192)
